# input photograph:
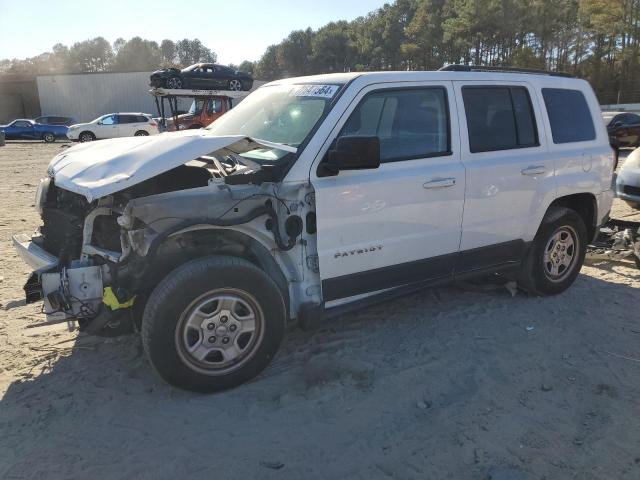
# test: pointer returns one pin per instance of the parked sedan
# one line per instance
(628, 180)
(114, 125)
(202, 76)
(623, 128)
(23, 129)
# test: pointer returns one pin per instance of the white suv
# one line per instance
(114, 125)
(313, 196)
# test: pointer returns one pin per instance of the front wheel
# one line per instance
(213, 323)
(174, 82)
(556, 254)
(87, 137)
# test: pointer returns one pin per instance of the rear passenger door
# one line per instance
(509, 174)
(126, 125)
(400, 223)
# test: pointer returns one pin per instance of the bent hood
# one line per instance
(97, 169)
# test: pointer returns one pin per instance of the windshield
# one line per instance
(279, 113)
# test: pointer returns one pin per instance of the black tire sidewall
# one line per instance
(534, 265)
(49, 135)
(91, 137)
(174, 294)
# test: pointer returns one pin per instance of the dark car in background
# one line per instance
(23, 129)
(54, 120)
(202, 76)
(623, 129)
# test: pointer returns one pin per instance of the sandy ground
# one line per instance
(459, 382)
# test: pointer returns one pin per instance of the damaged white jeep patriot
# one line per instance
(312, 196)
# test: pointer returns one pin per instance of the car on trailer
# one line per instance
(315, 196)
(206, 107)
(203, 111)
(202, 76)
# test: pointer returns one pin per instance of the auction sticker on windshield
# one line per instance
(324, 91)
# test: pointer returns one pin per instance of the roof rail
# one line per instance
(473, 68)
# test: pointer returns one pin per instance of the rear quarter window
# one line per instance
(569, 115)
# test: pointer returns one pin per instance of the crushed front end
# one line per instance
(73, 254)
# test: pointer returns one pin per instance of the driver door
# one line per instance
(108, 127)
(400, 223)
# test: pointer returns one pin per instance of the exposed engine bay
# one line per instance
(106, 254)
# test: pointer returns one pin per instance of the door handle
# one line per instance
(440, 183)
(537, 170)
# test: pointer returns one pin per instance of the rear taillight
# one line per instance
(153, 123)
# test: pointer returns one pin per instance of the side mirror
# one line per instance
(617, 124)
(351, 153)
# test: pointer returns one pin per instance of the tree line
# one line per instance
(98, 55)
(595, 39)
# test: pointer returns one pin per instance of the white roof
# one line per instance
(436, 75)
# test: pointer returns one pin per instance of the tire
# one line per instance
(556, 254)
(48, 137)
(141, 133)
(194, 309)
(174, 82)
(235, 85)
(86, 137)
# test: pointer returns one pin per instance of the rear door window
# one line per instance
(410, 123)
(569, 115)
(499, 118)
(214, 106)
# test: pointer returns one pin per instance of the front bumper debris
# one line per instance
(32, 254)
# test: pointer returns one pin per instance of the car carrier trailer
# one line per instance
(167, 102)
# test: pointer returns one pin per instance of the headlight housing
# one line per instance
(41, 193)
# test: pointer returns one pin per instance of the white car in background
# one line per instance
(114, 125)
(628, 180)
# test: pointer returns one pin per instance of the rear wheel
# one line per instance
(141, 133)
(213, 324)
(49, 137)
(235, 85)
(87, 137)
(557, 253)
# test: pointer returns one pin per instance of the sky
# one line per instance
(236, 30)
